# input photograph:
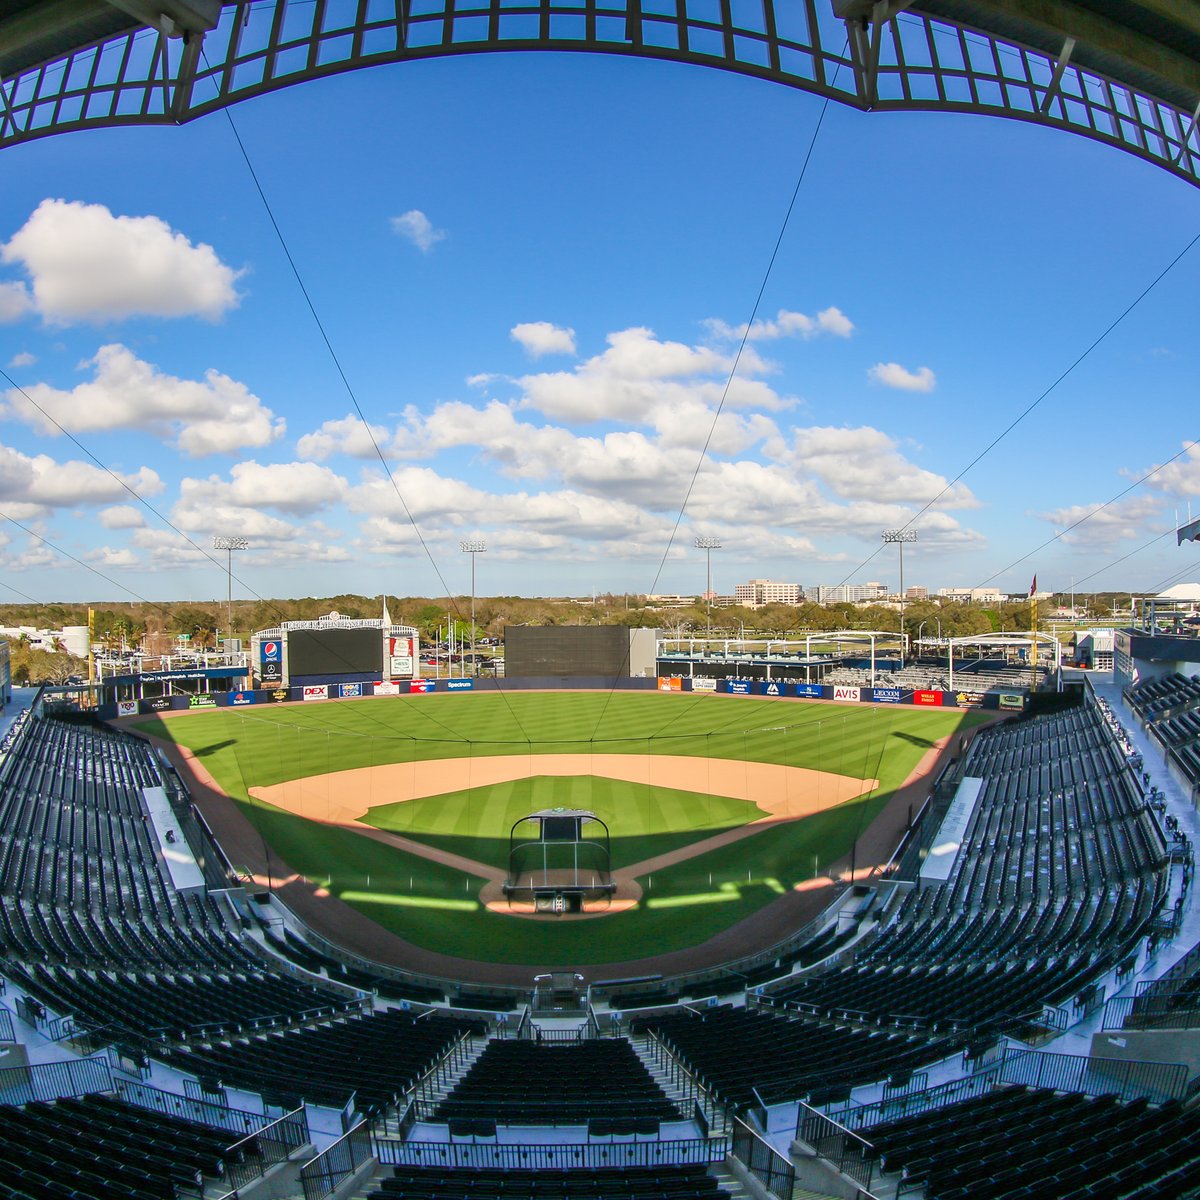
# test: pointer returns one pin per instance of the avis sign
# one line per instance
(850, 694)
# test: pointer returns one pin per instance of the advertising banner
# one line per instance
(400, 657)
(1012, 701)
(811, 690)
(241, 697)
(127, 708)
(739, 687)
(969, 699)
(849, 694)
(932, 699)
(700, 684)
(886, 695)
(278, 696)
(420, 685)
(670, 683)
(774, 688)
(349, 690)
(205, 701)
(387, 689)
(155, 704)
(459, 685)
(317, 691)
(271, 660)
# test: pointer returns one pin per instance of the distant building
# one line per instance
(916, 592)
(967, 595)
(1094, 649)
(758, 592)
(848, 593)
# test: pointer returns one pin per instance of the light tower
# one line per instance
(900, 536)
(473, 546)
(229, 544)
(708, 545)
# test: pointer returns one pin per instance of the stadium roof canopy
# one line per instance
(1126, 72)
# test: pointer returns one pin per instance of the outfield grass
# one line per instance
(437, 907)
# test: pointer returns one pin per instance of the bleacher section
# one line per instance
(90, 925)
(977, 675)
(528, 1083)
(1035, 1144)
(1170, 706)
(99, 1147)
(376, 1058)
(1060, 873)
(738, 1052)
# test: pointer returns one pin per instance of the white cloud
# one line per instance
(122, 516)
(1130, 517)
(865, 463)
(296, 488)
(215, 416)
(1179, 478)
(111, 556)
(15, 301)
(416, 227)
(785, 324)
(540, 337)
(42, 482)
(639, 378)
(346, 435)
(88, 265)
(24, 359)
(893, 375)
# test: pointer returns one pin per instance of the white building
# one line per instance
(758, 592)
(969, 595)
(849, 593)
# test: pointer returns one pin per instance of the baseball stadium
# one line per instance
(628, 923)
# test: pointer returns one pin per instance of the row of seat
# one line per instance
(1035, 1143)
(522, 1082)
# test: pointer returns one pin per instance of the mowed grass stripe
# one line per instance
(643, 821)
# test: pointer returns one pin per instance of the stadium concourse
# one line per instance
(1006, 1011)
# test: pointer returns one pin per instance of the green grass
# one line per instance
(643, 820)
(437, 906)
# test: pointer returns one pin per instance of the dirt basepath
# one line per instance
(340, 923)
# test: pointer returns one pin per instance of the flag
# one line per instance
(387, 620)
(1032, 589)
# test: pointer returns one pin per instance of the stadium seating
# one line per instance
(377, 1058)
(99, 1147)
(91, 925)
(1059, 874)
(528, 1083)
(1023, 1142)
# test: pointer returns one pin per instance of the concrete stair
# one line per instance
(663, 1077)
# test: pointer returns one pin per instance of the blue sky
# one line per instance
(534, 270)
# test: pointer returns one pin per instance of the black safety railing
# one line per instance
(776, 1173)
(323, 1175)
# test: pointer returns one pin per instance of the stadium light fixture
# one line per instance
(229, 544)
(899, 537)
(473, 546)
(708, 545)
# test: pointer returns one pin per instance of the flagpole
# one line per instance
(1033, 623)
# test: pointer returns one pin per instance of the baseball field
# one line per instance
(717, 806)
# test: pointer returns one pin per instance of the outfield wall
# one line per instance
(1000, 699)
